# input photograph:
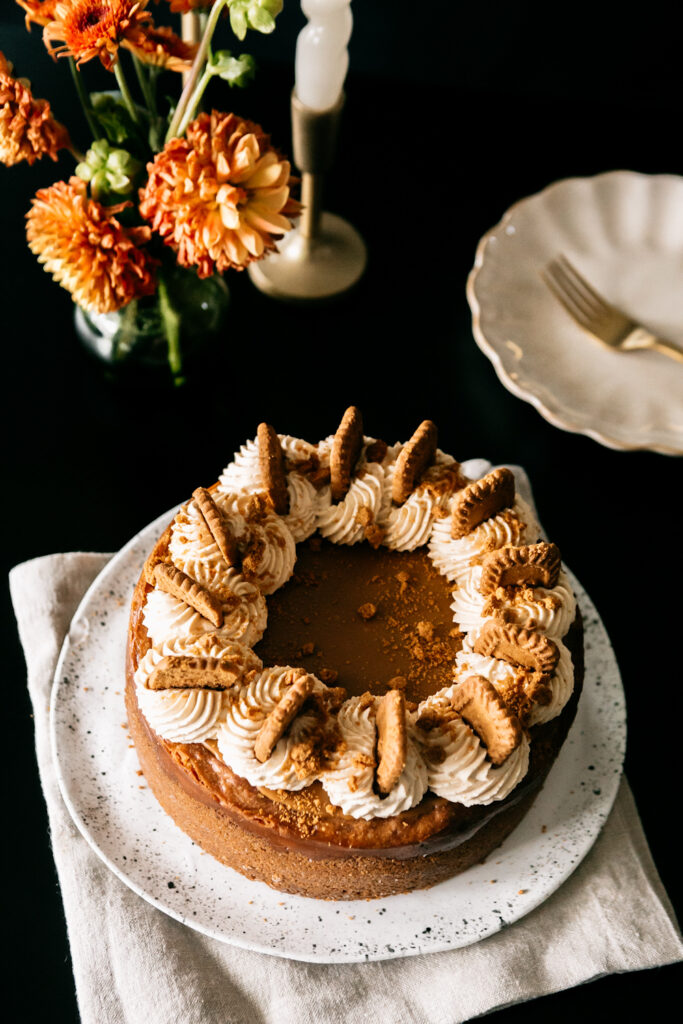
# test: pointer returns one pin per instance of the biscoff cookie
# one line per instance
(346, 447)
(188, 672)
(216, 525)
(519, 646)
(282, 715)
(413, 459)
(481, 500)
(480, 706)
(392, 740)
(532, 564)
(273, 471)
(175, 582)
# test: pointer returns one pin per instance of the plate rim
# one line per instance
(527, 394)
(249, 944)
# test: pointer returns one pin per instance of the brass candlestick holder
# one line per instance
(323, 255)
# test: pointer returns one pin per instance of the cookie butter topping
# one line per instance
(454, 557)
(385, 498)
(351, 783)
(290, 766)
(244, 475)
(458, 767)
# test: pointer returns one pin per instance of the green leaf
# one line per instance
(115, 121)
(233, 70)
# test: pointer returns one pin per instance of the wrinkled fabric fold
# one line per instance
(140, 966)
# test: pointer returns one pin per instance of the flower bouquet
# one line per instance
(167, 197)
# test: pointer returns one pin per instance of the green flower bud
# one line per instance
(109, 172)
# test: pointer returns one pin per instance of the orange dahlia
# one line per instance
(87, 250)
(40, 12)
(28, 130)
(220, 197)
(94, 28)
(162, 47)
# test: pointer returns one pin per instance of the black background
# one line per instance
(453, 112)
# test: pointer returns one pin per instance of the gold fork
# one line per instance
(597, 316)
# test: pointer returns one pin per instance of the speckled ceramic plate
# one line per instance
(624, 232)
(118, 815)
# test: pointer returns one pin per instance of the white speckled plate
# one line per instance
(624, 232)
(117, 814)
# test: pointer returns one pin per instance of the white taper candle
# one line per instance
(322, 58)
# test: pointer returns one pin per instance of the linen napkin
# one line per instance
(143, 967)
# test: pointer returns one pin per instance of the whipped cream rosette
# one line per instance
(244, 475)
(245, 715)
(551, 611)
(190, 715)
(503, 674)
(458, 767)
(453, 558)
(265, 543)
(350, 785)
(365, 503)
(409, 526)
(244, 612)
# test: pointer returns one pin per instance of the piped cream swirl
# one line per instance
(551, 611)
(244, 717)
(243, 475)
(409, 526)
(189, 715)
(244, 613)
(350, 785)
(263, 537)
(345, 522)
(453, 558)
(502, 674)
(458, 768)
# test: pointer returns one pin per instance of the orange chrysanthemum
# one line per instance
(220, 197)
(186, 6)
(40, 12)
(28, 131)
(162, 47)
(94, 28)
(87, 250)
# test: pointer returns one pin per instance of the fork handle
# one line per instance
(640, 338)
(667, 349)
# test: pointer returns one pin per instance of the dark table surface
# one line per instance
(450, 117)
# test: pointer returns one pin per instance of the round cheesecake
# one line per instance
(351, 667)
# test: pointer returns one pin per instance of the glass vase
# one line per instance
(154, 339)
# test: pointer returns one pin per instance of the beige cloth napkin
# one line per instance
(135, 965)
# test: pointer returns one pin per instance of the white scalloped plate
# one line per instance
(624, 231)
(97, 768)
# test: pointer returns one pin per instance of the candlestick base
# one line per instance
(306, 269)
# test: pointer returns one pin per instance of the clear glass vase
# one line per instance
(155, 339)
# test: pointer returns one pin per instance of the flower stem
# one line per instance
(84, 99)
(124, 339)
(147, 85)
(194, 101)
(171, 322)
(126, 94)
(198, 68)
